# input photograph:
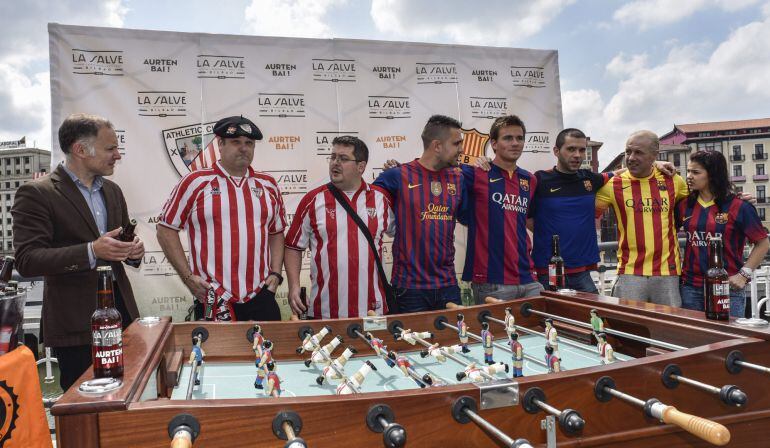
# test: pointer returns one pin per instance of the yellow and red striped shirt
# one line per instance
(644, 208)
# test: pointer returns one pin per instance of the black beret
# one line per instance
(237, 126)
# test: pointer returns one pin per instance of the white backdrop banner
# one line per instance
(163, 91)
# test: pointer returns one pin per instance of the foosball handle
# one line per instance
(490, 299)
(182, 440)
(453, 306)
(707, 430)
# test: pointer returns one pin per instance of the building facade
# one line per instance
(18, 165)
(744, 143)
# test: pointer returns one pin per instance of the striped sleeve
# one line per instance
(680, 187)
(750, 223)
(278, 223)
(298, 235)
(605, 197)
(180, 204)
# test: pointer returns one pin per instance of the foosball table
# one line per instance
(637, 375)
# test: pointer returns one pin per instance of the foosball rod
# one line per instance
(703, 428)
(729, 394)
(464, 411)
(735, 363)
(501, 347)
(535, 333)
(570, 420)
(425, 343)
(415, 376)
(342, 375)
(193, 368)
(526, 310)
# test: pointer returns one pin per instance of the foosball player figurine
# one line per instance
(462, 332)
(551, 336)
(517, 354)
(486, 341)
(596, 322)
(273, 383)
(312, 342)
(259, 338)
(476, 374)
(379, 347)
(605, 349)
(552, 361)
(267, 357)
(356, 379)
(435, 351)
(329, 373)
(510, 322)
(323, 354)
(196, 355)
(402, 362)
(409, 336)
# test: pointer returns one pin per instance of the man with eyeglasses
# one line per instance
(343, 270)
(234, 217)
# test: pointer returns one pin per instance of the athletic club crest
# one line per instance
(371, 211)
(451, 189)
(258, 191)
(435, 188)
(588, 185)
(721, 218)
(524, 184)
(192, 147)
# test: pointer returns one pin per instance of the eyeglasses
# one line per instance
(341, 159)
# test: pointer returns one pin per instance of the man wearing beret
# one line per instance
(234, 218)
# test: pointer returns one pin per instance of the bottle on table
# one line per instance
(556, 279)
(6, 273)
(106, 330)
(128, 233)
(716, 284)
(303, 299)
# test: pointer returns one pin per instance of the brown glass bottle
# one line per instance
(556, 267)
(303, 299)
(6, 273)
(106, 330)
(716, 284)
(128, 233)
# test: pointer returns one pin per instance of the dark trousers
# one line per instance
(73, 361)
(263, 306)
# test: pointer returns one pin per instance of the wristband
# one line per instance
(277, 275)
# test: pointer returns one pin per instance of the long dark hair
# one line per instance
(719, 181)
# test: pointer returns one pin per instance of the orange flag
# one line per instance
(22, 418)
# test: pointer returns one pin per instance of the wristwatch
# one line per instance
(746, 272)
(277, 275)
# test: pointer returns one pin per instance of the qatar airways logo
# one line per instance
(701, 239)
(648, 205)
(511, 202)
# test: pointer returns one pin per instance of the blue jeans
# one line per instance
(579, 281)
(413, 300)
(694, 299)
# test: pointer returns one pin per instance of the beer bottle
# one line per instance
(6, 273)
(556, 279)
(717, 284)
(303, 299)
(128, 233)
(106, 330)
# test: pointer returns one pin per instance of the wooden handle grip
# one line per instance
(707, 430)
(182, 441)
(489, 299)
(452, 306)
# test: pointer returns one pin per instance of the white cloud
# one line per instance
(621, 65)
(289, 18)
(498, 22)
(690, 86)
(25, 100)
(650, 13)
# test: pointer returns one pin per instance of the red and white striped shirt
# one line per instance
(342, 265)
(228, 221)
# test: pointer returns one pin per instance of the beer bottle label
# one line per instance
(722, 296)
(107, 346)
(552, 274)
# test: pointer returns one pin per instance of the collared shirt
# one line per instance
(95, 200)
(345, 280)
(228, 222)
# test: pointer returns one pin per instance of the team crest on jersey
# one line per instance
(662, 186)
(721, 218)
(331, 212)
(451, 189)
(371, 211)
(435, 188)
(215, 191)
(588, 185)
(258, 191)
(524, 184)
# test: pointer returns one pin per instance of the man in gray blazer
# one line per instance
(64, 225)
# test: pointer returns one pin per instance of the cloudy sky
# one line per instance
(624, 65)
